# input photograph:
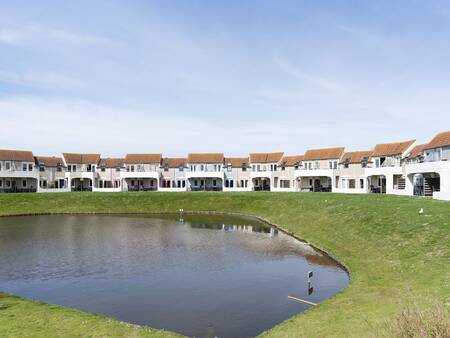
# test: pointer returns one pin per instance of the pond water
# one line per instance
(204, 276)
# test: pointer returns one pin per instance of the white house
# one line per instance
(173, 174)
(237, 174)
(385, 173)
(52, 174)
(108, 175)
(81, 174)
(142, 172)
(18, 172)
(319, 169)
(350, 177)
(287, 167)
(264, 172)
(428, 169)
(205, 172)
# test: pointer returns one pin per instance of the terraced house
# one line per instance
(319, 169)
(17, 171)
(401, 168)
(264, 172)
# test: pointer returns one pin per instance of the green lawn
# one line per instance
(396, 255)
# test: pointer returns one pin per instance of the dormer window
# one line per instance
(364, 162)
(181, 168)
(166, 167)
(346, 163)
(41, 167)
(229, 167)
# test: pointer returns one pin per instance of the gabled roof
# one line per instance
(392, 149)
(111, 162)
(16, 155)
(417, 150)
(291, 161)
(356, 156)
(174, 162)
(266, 157)
(440, 140)
(50, 161)
(81, 158)
(324, 154)
(237, 162)
(143, 159)
(205, 158)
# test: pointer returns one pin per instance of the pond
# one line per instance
(204, 276)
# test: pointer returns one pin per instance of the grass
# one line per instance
(396, 256)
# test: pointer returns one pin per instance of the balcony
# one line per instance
(427, 167)
(314, 173)
(139, 174)
(205, 174)
(19, 174)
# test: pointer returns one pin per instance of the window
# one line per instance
(316, 165)
(195, 182)
(310, 182)
(202, 167)
(229, 167)
(30, 167)
(41, 168)
(351, 184)
(361, 183)
(7, 165)
(183, 183)
(8, 184)
(1, 183)
(58, 168)
(0, 166)
(254, 167)
(132, 168)
(231, 183)
(103, 169)
(226, 183)
(117, 169)
(346, 163)
(214, 183)
(24, 167)
(244, 168)
(377, 163)
(283, 168)
(181, 168)
(24, 183)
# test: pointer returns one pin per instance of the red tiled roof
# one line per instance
(237, 162)
(356, 156)
(143, 159)
(81, 158)
(324, 154)
(417, 150)
(440, 140)
(291, 161)
(266, 157)
(205, 158)
(111, 162)
(50, 161)
(16, 155)
(391, 149)
(174, 162)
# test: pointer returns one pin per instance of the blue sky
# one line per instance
(229, 76)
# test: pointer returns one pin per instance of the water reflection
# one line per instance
(207, 276)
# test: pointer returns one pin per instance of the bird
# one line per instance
(421, 211)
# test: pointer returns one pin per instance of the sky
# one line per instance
(233, 76)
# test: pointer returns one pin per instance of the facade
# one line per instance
(351, 175)
(173, 174)
(81, 174)
(400, 168)
(18, 172)
(205, 172)
(264, 170)
(52, 174)
(385, 173)
(319, 170)
(237, 174)
(428, 172)
(141, 173)
(287, 168)
(108, 175)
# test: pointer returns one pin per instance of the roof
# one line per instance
(205, 158)
(266, 157)
(323, 154)
(143, 158)
(356, 156)
(291, 161)
(237, 162)
(175, 162)
(50, 161)
(440, 140)
(111, 162)
(417, 150)
(81, 158)
(16, 155)
(391, 149)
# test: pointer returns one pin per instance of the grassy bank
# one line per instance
(396, 255)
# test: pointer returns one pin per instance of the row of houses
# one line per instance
(402, 168)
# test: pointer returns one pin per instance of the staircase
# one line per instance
(430, 185)
(401, 184)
